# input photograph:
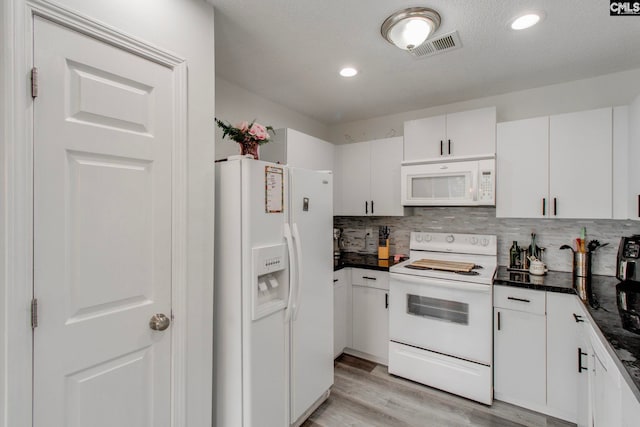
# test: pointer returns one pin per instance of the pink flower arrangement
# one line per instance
(245, 132)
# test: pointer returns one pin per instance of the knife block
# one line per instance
(383, 251)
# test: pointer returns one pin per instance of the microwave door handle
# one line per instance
(474, 188)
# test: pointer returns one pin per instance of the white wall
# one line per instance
(186, 28)
(235, 104)
(608, 90)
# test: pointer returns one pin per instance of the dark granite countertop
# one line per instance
(358, 260)
(602, 308)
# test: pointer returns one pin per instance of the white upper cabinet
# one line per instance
(354, 178)
(425, 138)
(368, 178)
(556, 167)
(299, 150)
(522, 184)
(580, 164)
(466, 133)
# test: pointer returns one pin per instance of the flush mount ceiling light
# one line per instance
(348, 72)
(409, 28)
(526, 20)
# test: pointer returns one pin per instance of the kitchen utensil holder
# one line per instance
(582, 285)
(582, 264)
(582, 275)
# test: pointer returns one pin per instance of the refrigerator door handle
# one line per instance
(298, 245)
(292, 271)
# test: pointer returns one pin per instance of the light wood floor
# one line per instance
(364, 394)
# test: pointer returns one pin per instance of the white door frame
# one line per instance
(16, 195)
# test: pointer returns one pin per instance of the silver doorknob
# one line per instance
(159, 322)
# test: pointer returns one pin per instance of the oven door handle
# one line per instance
(449, 284)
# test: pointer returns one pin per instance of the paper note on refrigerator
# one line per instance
(274, 189)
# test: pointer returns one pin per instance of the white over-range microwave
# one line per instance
(462, 181)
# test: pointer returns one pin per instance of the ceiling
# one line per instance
(290, 52)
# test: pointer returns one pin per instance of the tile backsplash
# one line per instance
(551, 233)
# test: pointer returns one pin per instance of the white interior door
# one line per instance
(103, 132)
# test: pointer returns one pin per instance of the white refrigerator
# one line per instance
(273, 342)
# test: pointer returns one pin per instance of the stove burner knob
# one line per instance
(484, 242)
(450, 238)
(427, 237)
(474, 240)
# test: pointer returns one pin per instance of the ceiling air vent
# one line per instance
(444, 43)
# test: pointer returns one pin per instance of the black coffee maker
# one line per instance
(628, 290)
(628, 262)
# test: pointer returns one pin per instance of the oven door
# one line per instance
(444, 316)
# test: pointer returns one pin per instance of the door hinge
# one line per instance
(34, 82)
(34, 313)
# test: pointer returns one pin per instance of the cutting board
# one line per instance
(444, 265)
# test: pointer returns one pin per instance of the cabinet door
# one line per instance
(580, 169)
(605, 394)
(634, 155)
(519, 358)
(563, 373)
(471, 132)
(371, 322)
(522, 169)
(630, 407)
(425, 138)
(340, 312)
(386, 158)
(582, 395)
(308, 152)
(604, 384)
(354, 162)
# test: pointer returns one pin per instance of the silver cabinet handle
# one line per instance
(159, 322)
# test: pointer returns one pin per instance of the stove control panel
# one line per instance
(483, 244)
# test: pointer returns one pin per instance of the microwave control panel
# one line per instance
(485, 192)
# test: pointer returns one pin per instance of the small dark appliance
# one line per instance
(628, 259)
(628, 298)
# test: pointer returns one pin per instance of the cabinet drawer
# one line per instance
(370, 278)
(519, 299)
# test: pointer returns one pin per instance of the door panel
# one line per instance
(580, 143)
(312, 325)
(441, 317)
(103, 135)
(354, 162)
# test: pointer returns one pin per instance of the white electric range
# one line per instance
(440, 313)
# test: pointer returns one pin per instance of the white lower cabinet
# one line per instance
(604, 386)
(564, 376)
(341, 312)
(630, 407)
(519, 347)
(370, 314)
(549, 358)
(371, 322)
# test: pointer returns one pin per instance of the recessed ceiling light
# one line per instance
(525, 21)
(348, 72)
